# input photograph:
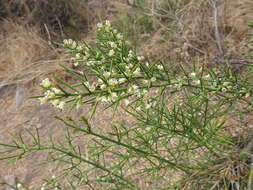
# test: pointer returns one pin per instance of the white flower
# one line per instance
(193, 74)
(69, 42)
(111, 52)
(113, 82)
(60, 106)
(87, 84)
(43, 100)
(139, 93)
(135, 87)
(103, 99)
(140, 58)
(19, 186)
(73, 45)
(197, 82)
(99, 25)
(138, 108)
(55, 102)
(91, 63)
(46, 83)
(79, 48)
(92, 88)
(148, 106)
(160, 67)
(145, 81)
(122, 80)
(224, 90)
(130, 54)
(107, 74)
(65, 42)
(76, 64)
(107, 23)
(119, 36)
(123, 93)
(49, 94)
(137, 72)
(207, 76)
(115, 31)
(153, 79)
(109, 99)
(113, 44)
(178, 86)
(103, 86)
(100, 81)
(78, 56)
(126, 101)
(114, 96)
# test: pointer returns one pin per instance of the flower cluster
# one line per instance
(51, 94)
(121, 74)
(117, 67)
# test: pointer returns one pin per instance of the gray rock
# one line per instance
(7, 90)
(20, 95)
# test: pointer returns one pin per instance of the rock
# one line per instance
(7, 90)
(20, 95)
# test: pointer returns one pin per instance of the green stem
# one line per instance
(250, 178)
(71, 154)
(146, 154)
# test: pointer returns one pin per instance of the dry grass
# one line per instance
(25, 55)
(199, 29)
(55, 14)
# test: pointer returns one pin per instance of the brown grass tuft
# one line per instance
(25, 55)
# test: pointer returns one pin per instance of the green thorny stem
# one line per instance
(129, 147)
(39, 147)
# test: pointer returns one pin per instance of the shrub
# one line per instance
(179, 117)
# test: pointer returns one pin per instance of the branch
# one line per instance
(216, 28)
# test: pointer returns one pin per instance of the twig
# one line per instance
(48, 33)
(216, 28)
(61, 29)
